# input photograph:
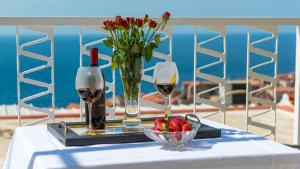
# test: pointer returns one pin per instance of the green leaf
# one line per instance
(153, 45)
(135, 50)
(114, 66)
(114, 61)
(157, 39)
(121, 56)
(148, 53)
(108, 42)
(134, 32)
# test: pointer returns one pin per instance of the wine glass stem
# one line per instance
(90, 116)
(166, 99)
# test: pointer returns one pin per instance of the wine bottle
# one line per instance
(98, 108)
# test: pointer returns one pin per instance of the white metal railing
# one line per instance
(270, 24)
(49, 63)
(252, 119)
(221, 81)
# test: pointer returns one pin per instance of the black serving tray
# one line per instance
(70, 134)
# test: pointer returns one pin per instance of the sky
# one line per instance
(178, 8)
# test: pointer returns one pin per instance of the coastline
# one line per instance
(181, 100)
(176, 109)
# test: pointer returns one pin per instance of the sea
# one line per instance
(67, 61)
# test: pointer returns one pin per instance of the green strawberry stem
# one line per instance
(166, 115)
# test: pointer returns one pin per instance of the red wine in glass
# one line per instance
(165, 88)
(89, 95)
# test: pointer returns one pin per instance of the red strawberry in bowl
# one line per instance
(182, 121)
(177, 120)
(159, 120)
(160, 127)
(174, 125)
(157, 127)
(186, 127)
(174, 131)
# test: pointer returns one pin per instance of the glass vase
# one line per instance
(131, 74)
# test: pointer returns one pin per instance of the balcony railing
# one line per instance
(45, 26)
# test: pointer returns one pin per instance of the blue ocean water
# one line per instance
(67, 62)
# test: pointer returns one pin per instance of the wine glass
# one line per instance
(166, 79)
(89, 85)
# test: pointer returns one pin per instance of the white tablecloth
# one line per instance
(34, 147)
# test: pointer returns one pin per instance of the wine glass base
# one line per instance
(91, 132)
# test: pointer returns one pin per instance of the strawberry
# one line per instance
(159, 120)
(176, 120)
(174, 125)
(157, 127)
(160, 127)
(186, 127)
(181, 121)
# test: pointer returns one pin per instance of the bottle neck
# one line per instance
(94, 57)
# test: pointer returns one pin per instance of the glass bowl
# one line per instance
(175, 138)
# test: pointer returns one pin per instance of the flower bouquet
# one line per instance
(133, 40)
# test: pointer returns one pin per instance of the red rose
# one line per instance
(130, 20)
(123, 23)
(166, 15)
(112, 25)
(152, 23)
(139, 22)
(106, 24)
(109, 25)
(118, 20)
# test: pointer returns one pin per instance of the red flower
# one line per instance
(118, 20)
(109, 25)
(152, 23)
(166, 15)
(106, 23)
(130, 20)
(123, 23)
(139, 22)
(112, 25)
